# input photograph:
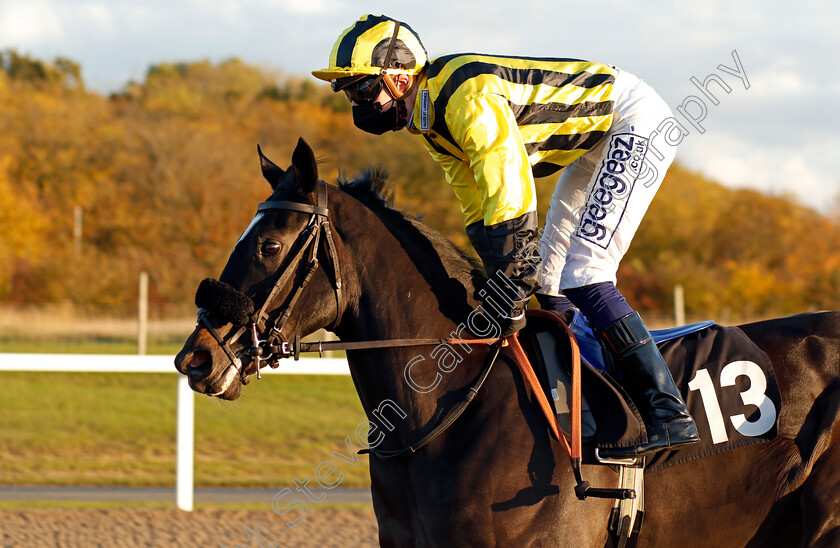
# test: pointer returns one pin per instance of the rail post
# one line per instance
(184, 438)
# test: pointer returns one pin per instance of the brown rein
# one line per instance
(272, 347)
(574, 450)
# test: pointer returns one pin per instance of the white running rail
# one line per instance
(127, 363)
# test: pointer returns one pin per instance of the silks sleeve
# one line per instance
(460, 178)
(484, 127)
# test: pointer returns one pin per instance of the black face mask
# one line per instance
(369, 117)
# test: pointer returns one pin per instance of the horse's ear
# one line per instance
(306, 169)
(270, 170)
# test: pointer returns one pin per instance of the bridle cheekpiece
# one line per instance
(224, 302)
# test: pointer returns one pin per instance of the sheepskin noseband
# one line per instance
(223, 301)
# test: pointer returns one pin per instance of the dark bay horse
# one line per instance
(496, 477)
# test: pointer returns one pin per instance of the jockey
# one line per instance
(494, 124)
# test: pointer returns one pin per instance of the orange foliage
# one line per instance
(166, 173)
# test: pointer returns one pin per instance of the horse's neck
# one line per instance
(399, 293)
(400, 296)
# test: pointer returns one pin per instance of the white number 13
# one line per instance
(756, 395)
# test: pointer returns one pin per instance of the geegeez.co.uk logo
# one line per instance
(613, 186)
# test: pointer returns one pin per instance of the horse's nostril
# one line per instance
(200, 365)
(199, 358)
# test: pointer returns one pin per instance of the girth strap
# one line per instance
(582, 490)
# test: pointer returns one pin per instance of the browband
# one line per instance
(293, 206)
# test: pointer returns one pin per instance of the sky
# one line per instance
(775, 126)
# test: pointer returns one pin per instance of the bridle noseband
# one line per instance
(267, 343)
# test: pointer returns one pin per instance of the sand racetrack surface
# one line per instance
(329, 527)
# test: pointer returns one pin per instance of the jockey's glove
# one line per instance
(500, 324)
(510, 325)
(511, 258)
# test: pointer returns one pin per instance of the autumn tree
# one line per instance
(166, 175)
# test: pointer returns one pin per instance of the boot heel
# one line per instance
(648, 381)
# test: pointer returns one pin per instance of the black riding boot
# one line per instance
(649, 383)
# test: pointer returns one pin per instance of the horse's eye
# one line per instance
(270, 248)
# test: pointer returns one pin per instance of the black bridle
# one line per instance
(268, 345)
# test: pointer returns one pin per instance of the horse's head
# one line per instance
(245, 317)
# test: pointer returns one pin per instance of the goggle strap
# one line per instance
(391, 47)
(395, 93)
(387, 64)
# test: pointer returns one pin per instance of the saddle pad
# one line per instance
(590, 349)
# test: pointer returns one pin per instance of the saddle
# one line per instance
(708, 363)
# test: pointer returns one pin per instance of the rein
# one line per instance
(294, 349)
(447, 421)
(272, 348)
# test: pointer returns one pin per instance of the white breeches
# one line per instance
(600, 199)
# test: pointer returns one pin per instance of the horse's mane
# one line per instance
(373, 188)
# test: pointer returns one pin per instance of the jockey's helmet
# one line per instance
(371, 48)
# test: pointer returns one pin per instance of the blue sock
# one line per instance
(601, 303)
(554, 303)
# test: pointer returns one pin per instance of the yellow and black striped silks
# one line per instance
(495, 123)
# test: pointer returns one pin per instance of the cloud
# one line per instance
(689, 27)
(785, 78)
(29, 23)
(98, 16)
(307, 7)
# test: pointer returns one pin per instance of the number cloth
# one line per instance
(730, 388)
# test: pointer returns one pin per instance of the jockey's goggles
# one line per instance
(361, 90)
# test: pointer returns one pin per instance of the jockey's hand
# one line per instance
(507, 324)
(511, 325)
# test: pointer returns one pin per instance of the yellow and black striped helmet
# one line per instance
(363, 49)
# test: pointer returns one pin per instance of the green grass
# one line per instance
(88, 347)
(91, 505)
(119, 429)
(101, 344)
